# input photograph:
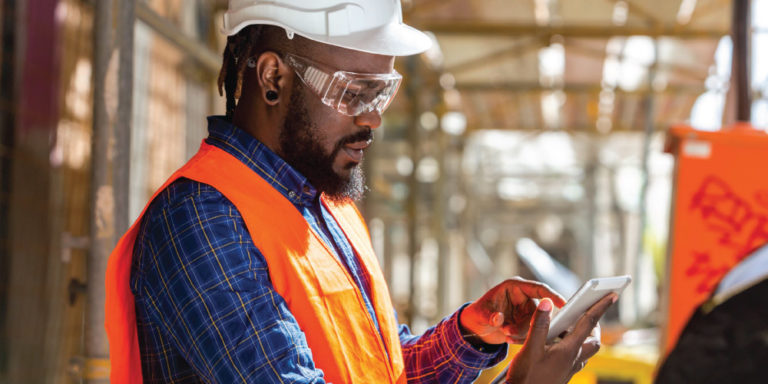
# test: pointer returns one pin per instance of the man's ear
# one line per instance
(271, 73)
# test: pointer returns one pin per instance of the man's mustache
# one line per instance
(364, 135)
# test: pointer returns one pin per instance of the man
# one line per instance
(252, 265)
(726, 338)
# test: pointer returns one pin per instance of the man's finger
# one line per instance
(537, 334)
(537, 290)
(578, 366)
(588, 320)
(596, 333)
(589, 348)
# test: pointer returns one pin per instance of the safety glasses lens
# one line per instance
(348, 92)
(368, 95)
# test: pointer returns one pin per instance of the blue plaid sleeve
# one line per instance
(206, 308)
(441, 355)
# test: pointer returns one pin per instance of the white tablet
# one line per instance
(589, 294)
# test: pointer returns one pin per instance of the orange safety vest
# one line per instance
(319, 291)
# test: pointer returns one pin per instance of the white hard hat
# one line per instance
(373, 26)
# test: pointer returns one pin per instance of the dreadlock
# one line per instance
(251, 41)
(239, 49)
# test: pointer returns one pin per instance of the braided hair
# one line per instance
(250, 42)
(239, 49)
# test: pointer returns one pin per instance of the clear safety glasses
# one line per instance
(349, 93)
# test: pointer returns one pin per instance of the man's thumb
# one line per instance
(537, 333)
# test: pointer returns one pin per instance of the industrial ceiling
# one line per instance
(576, 65)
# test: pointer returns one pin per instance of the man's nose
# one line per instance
(370, 119)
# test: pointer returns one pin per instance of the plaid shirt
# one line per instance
(205, 307)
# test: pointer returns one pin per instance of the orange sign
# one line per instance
(719, 213)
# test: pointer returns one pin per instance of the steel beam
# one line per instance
(102, 195)
(414, 91)
(636, 268)
(126, 21)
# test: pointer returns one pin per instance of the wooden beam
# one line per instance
(634, 8)
(516, 50)
(209, 59)
(703, 10)
(423, 7)
(450, 27)
(472, 126)
(528, 87)
(596, 53)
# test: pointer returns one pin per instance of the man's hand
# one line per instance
(503, 314)
(540, 363)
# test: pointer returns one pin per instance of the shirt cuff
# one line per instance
(465, 352)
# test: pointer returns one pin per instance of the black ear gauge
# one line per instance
(271, 95)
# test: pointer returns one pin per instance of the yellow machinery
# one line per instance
(610, 364)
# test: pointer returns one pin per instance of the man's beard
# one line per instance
(300, 147)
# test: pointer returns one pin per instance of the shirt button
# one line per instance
(292, 194)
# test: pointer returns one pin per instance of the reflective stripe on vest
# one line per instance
(317, 288)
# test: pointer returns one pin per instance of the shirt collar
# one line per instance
(267, 164)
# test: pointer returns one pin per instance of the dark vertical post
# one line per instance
(35, 106)
(7, 124)
(740, 34)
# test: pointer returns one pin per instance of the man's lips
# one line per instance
(355, 150)
(359, 145)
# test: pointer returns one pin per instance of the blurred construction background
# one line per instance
(528, 141)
